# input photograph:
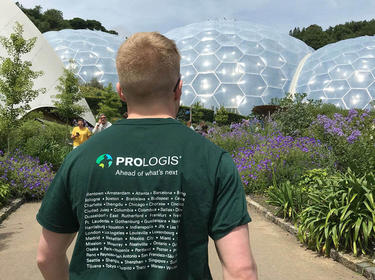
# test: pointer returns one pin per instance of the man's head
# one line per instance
(103, 118)
(148, 65)
(80, 122)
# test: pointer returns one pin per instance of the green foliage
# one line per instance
(288, 199)
(221, 116)
(295, 115)
(16, 78)
(340, 215)
(4, 193)
(315, 37)
(47, 141)
(53, 19)
(200, 113)
(110, 103)
(67, 100)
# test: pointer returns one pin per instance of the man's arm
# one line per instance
(51, 257)
(235, 255)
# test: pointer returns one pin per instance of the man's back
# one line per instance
(146, 193)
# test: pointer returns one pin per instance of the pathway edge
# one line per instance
(366, 268)
(10, 208)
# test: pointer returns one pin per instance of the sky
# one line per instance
(130, 16)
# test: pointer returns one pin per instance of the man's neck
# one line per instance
(149, 116)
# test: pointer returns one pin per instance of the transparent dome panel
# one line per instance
(206, 63)
(205, 84)
(207, 102)
(319, 82)
(229, 96)
(229, 72)
(341, 72)
(364, 64)
(271, 45)
(252, 84)
(229, 40)
(273, 77)
(109, 78)
(81, 45)
(207, 47)
(188, 57)
(207, 35)
(229, 54)
(272, 93)
(106, 64)
(336, 89)
(188, 95)
(86, 58)
(188, 73)
(90, 72)
(316, 95)
(187, 43)
(357, 98)
(251, 64)
(335, 101)
(371, 90)
(248, 103)
(272, 59)
(250, 47)
(360, 79)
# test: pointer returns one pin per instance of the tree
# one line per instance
(221, 116)
(111, 103)
(78, 23)
(67, 104)
(16, 79)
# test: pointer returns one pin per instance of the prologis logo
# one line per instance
(104, 160)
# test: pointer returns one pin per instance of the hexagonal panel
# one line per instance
(230, 96)
(188, 73)
(207, 47)
(360, 79)
(89, 72)
(229, 54)
(248, 103)
(229, 40)
(80, 45)
(251, 64)
(229, 72)
(188, 95)
(250, 47)
(252, 84)
(357, 98)
(207, 35)
(271, 45)
(371, 90)
(85, 58)
(336, 101)
(207, 102)
(205, 84)
(347, 58)
(273, 59)
(367, 52)
(205, 63)
(109, 78)
(324, 67)
(341, 72)
(336, 89)
(273, 77)
(65, 53)
(187, 43)
(188, 57)
(106, 65)
(104, 51)
(364, 64)
(316, 95)
(319, 82)
(250, 35)
(272, 93)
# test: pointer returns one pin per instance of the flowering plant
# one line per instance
(25, 175)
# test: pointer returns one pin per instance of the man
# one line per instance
(145, 194)
(80, 134)
(101, 124)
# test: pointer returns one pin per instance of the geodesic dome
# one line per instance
(93, 53)
(341, 73)
(235, 64)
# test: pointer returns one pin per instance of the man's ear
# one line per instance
(178, 92)
(120, 93)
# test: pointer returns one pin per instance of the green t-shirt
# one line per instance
(144, 195)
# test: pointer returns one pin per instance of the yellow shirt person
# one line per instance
(80, 134)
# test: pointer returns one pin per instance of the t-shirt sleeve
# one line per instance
(56, 212)
(230, 207)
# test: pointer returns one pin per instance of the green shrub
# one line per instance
(340, 215)
(47, 141)
(4, 193)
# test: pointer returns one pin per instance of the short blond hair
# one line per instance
(148, 66)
